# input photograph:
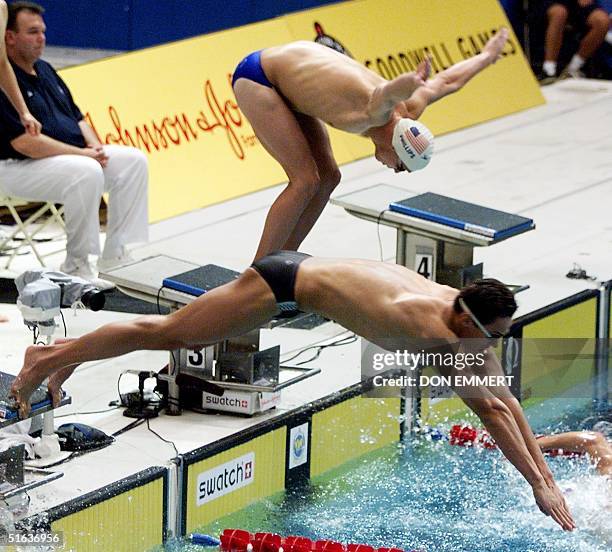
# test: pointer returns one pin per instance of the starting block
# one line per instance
(13, 479)
(436, 235)
(40, 401)
(231, 376)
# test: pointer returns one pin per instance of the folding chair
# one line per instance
(24, 233)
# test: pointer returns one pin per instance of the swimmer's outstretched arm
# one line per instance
(591, 443)
(226, 311)
(454, 78)
(501, 424)
(503, 417)
(498, 417)
(493, 368)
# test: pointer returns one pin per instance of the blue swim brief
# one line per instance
(250, 68)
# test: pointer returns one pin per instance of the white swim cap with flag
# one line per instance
(413, 143)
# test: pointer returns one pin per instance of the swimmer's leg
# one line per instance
(230, 310)
(329, 177)
(279, 132)
(589, 442)
(454, 78)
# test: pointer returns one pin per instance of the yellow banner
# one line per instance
(393, 36)
(175, 102)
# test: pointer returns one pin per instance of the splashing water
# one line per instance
(590, 500)
(433, 497)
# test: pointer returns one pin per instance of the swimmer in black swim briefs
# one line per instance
(385, 303)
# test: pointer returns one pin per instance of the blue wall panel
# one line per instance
(133, 24)
(158, 22)
(169, 20)
(266, 10)
(88, 23)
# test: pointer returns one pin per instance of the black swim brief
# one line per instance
(279, 270)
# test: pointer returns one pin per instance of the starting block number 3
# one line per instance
(195, 359)
(423, 264)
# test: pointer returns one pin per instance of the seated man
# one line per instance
(587, 15)
(385, 303)
(288, 92)
(67, 163)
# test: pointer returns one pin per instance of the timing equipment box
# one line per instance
(241, 402)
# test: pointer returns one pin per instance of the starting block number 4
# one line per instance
(423, 264)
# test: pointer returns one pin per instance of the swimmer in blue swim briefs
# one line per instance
(288, 92)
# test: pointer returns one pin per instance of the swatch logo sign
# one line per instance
(226, 478)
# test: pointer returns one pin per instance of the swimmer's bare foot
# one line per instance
(3, 318)
(54, 385)
(496, 44)
(28, 379)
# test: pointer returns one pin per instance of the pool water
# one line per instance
(434, 497)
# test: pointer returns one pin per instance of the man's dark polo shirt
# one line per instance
(50, 101)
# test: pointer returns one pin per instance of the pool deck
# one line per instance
(551, 163)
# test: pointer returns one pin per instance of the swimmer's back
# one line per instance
(367, 296)
(321, 82)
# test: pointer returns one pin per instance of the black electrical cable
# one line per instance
(64, 460)
(131, 425)
(342, 341)
(378, 219)
(160, 437)
(64, 322)
(85, 413)
(118, 389)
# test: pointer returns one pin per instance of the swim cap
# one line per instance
(413, 143)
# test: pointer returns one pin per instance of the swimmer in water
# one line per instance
(591, 443)
(288, 92)
(404, 307)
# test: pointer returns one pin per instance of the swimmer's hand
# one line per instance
(551, 502)
(424, 69)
